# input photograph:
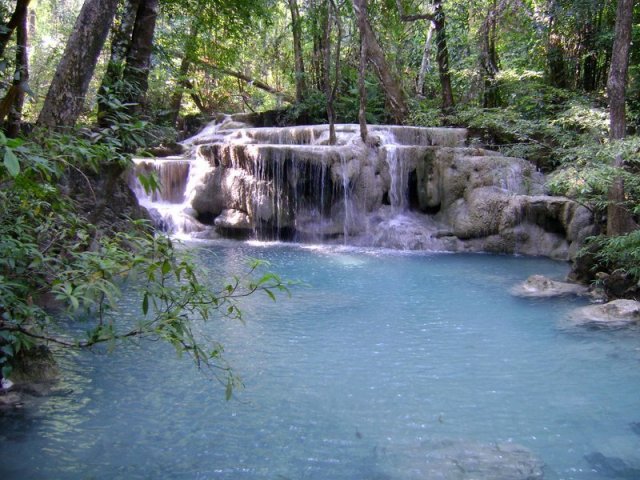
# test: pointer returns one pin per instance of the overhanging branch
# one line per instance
(251, 81)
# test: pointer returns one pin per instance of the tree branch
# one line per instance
(252, 81)
(413, 18)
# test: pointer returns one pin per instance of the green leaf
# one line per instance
(229, 390)
(6, 371)
(166, 267)
(7, 350)
(11, 162)
(145, 303)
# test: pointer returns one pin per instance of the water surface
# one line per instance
(349, 379)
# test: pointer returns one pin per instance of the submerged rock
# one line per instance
(466, 460)
(34, 374)
(615, 314)
(539, 286)
(10, 400)
(612, 467)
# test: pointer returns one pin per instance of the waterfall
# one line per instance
(348, 214)
(283, 182)
(409, 187)
(398, 191)
(168, 204)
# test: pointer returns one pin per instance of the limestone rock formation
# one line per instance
(410, 187)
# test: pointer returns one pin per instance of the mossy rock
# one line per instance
(34, 365)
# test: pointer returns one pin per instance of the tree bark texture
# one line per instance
(489, 56)
(556, 65)
(375, 56)
(17, 18)
(331, 88)
(184, 84)
(425, 65)
(20, 78)
(136, 71)
(360, 8)
(65, 97)
(296, 27)
(443, 57)
(120, 40)
(619, 219)
(318, 16)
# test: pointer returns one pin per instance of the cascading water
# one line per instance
(399, 182)
(409, 187)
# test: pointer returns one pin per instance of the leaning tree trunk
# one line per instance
(619, 219)
(425, 64)
(136, 72)
(185, 84)
(443, 57)
(296, 27)
(20, 78)
(182, 85)
(120, 40)
(65, 97)
(375, 56)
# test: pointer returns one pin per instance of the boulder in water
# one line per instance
(539, 286)
(615, 314)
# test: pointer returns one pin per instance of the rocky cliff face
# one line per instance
(409, 187)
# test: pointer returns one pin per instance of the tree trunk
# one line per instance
(136, 72)
(296, 28)
(556, 67)
(65, 97)
(426, 53)
(590, 56)
(619, 219)
(17, 18)
(176, 98)
(319, 19)
(182, 81)
(425, 65)
(375, 56)
(360, 7)
(489, 57)
(332, 87)
(443, 57)
(120, 40)
(21, 77)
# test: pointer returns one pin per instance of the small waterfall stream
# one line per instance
(409, 187)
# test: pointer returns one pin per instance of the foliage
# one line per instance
(50, 254)
(587, 173)
(619, 253)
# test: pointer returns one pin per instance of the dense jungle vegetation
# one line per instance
(86, 84)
